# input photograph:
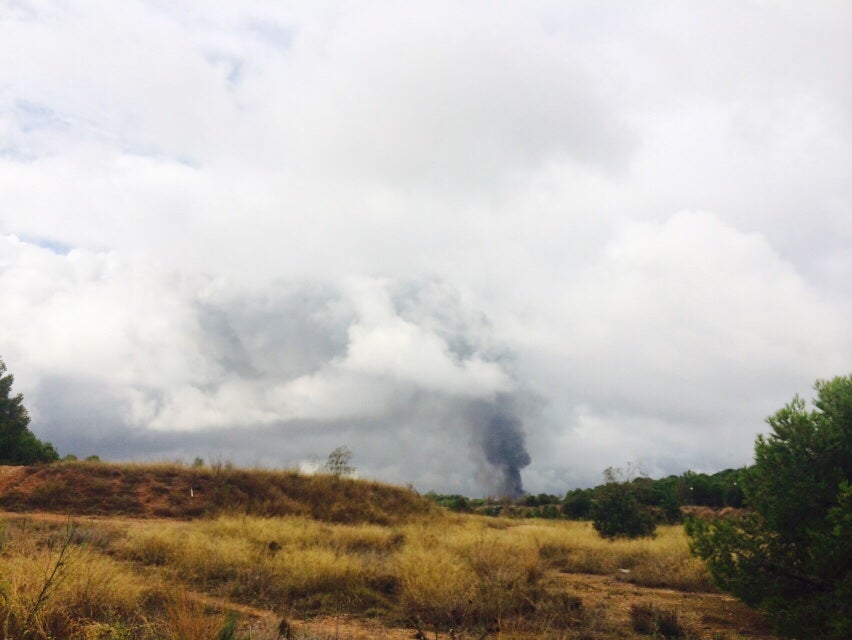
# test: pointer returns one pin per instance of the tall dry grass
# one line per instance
(53, 588)
(662, 561)
(134, 579)
(176, 491)
(467, 574)
(448, 570)
(274, 561)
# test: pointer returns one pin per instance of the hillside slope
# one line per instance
(161, 490)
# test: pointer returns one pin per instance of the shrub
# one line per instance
(577, 504)
(617, 512)
(660, 623)
(792, 556)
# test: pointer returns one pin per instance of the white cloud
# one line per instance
(143, 331)
(338, 220)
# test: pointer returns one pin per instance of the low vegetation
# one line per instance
(791, 556)
(664, 499)
(153, 578)
(617, 513)
(434, 568)
(177, 491)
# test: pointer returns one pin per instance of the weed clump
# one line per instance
(665, 624)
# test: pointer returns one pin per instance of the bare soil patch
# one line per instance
(710, 612)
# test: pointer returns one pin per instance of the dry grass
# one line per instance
(55, 588)
(140, 580)
(175, 491)
(270, 560)
(467, 575)
(665, 624)
(662, 561)
(185, 618)
(447, 571)
(168, 579)
(52, 588)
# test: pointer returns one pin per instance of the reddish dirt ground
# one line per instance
(709, 612)
(11, 476)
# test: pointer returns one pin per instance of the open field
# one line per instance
(240, 575)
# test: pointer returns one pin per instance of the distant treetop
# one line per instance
(18, 445)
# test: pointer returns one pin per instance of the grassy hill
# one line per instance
(175, 491)
(102, 551)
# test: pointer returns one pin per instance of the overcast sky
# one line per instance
(599, 232)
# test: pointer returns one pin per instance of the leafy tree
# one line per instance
(338, 462)
(617, 512)
(530, 501)
(549, 512)
(577, 504)
(18, 445)
(661, 495)
(730, 486)
(792, 555)
(453, 502)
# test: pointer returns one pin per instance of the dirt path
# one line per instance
(707, 611)
(62, 518)
(342, 627)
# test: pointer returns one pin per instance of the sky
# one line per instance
(487, 246)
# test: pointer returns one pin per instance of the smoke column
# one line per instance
(499, 435)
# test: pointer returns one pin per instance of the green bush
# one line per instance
(792, 555)
(616, 511)
(577, 504)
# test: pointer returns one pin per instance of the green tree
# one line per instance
(616, 510)
(662, 497)
(791, 556)
(577, 504)
(18, 445)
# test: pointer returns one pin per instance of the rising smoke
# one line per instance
(498, 436)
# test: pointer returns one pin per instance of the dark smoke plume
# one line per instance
(499, 434)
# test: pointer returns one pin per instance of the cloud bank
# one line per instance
(478, 245)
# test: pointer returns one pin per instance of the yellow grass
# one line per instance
(51, 589)
(662, 561)
(467, 573)
(134, 579)
(448, 569)
(186, 619)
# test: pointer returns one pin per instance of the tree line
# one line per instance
(664, 497)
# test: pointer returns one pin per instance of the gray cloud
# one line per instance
(272, 377)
